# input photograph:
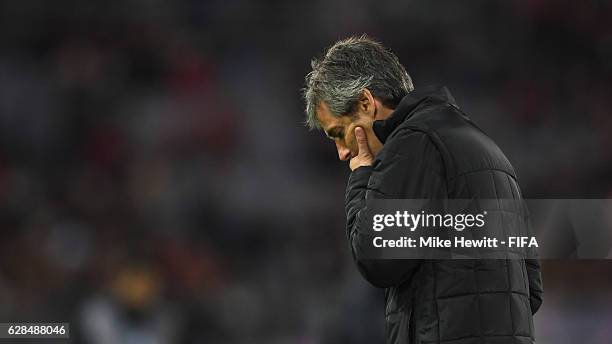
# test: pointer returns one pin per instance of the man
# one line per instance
(417, 144)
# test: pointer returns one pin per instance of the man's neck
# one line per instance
(384, 113)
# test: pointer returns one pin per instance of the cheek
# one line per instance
(351, 141)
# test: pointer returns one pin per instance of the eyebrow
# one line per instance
(334, 132)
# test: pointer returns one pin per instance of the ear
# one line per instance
(367, 104)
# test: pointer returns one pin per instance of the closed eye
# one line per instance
(336, 132)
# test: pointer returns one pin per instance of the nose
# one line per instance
(344, 153)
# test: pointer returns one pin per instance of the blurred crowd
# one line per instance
(157, 184)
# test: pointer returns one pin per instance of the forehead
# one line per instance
(327, 119)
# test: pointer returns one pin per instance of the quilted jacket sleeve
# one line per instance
(409, 166)
(535, 284)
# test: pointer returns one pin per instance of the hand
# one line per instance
(364, 157)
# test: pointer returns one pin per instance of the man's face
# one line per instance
(342, 130)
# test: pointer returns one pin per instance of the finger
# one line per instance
(362, 141)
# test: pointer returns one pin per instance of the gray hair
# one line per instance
(346, 70)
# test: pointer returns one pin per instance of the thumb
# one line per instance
(362, 142)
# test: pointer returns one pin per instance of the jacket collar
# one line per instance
(384, 128)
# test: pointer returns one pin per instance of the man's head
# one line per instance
(356, 82)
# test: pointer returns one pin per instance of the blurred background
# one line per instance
(157, 184)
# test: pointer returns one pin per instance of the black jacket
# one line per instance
(432, 150)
